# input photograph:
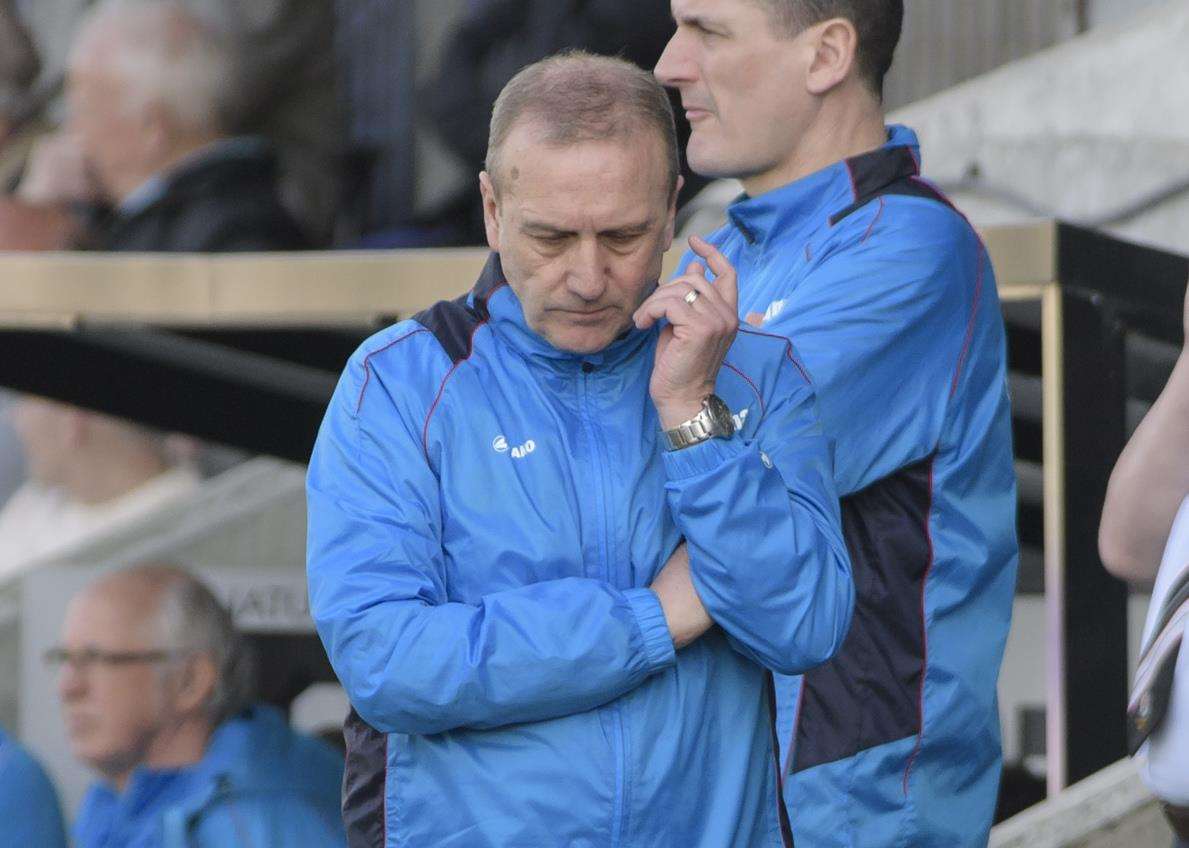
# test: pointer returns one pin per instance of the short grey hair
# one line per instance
(190, 619)
(577, 96)
(166, 55)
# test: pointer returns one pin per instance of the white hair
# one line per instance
(192, 619)
(163, 55)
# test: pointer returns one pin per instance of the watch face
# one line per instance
(720, 416)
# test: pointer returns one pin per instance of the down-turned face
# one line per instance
(581, 230)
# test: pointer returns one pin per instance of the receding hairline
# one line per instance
(537, 131)
(152, 582)
(577, 97)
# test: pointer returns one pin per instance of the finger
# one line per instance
(656, 308)
(706, 314)
(724, 271)
(709, 296)
(694, 268)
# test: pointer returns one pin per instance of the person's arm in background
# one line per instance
(1149, 482)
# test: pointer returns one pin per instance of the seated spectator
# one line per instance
(19, 66)
(155, 686)
(87, 473)
(29, 809)
(148, 88)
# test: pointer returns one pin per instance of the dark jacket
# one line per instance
(222, 200)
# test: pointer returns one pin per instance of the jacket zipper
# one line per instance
(601, 499)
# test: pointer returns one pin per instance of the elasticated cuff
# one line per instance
(658, 644)
(703, 458)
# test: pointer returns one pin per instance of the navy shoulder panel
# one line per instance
(887, 171)
(453, 322)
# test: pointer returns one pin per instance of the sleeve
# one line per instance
(410, 659)
(762, 523)
(28, 802)
(881, 325)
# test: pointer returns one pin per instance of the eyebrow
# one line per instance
(542, 229)
(699, 22)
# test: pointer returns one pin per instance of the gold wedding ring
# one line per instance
(691, 297)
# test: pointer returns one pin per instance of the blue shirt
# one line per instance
(30, 816)
(258, 784)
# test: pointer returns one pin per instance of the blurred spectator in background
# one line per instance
(87, 473)
(287, 90)
(29, 811)
(148, 85)
(499, 37)
(286, 86)
(19, 66)
(25, 223)
(1144, 537)
(155, 686)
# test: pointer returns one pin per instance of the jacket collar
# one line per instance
(495, 301)
(824, 194)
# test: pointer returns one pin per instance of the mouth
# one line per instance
(694, 114)
(586, 316)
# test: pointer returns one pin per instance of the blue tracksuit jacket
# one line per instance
(259, 785)
(889, 296)
(485, 514)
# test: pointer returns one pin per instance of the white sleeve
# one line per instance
(1163, 758)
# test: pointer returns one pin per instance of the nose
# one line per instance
(674, 67)
(71, 682)
(587, 274)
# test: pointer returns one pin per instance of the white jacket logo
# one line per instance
(740, 418)
(500, 445)
(774, 309)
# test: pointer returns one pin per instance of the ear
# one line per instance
(835, 44)
(491, 211)
(196, 682)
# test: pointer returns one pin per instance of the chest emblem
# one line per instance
(500, 445)
(774, 309)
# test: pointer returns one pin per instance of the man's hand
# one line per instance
(686, 617)
(692, 347)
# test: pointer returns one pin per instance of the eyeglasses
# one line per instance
(88, 658)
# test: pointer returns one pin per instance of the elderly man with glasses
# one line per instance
(155, 686)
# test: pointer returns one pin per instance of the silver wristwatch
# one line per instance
(714, 421)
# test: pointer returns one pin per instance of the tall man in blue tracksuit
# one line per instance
(497, 500)
(890, 297)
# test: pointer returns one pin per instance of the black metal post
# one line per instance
(1094, 628)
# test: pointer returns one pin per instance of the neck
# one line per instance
(174, 747)
(843, 127)
(105, 475)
